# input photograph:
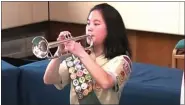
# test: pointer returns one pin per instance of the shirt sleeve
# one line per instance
(120, 69)
(64, 76)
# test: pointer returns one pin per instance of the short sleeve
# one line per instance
(120, 69)
(64, 76)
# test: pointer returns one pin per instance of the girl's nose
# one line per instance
(90, 28)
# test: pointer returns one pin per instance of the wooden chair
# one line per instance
(176, 56)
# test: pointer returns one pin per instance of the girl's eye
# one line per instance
(88, 23)
(96, 24)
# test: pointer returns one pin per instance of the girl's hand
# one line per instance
(63, 36)
(75, 48)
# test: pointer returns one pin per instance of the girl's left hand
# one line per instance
(75, 48)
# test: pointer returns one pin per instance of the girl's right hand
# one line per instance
(63, 36)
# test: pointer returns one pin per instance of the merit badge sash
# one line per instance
(82, 81)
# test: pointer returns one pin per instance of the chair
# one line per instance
(178, 53)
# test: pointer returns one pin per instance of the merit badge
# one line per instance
(122, 73)
(85, 92)
(69, 59)
(75, 82)
(80, 95)
(81, 79)
(78, 89)
(71, 70)
(85, 71)
(120, 79)
(90, 81)
(126, 68)
(79, 73)
(78, 67)
(87, 77)
(84, 86)
(76, 61)
(83, 66)
(69, 63)
(98, 88)
(90, 87)
(73, 76)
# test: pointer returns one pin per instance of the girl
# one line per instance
(98, 77)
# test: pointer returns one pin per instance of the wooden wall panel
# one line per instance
(57, 27)
(133, 43)
(155, 48)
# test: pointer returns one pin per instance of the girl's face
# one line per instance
(96, 27)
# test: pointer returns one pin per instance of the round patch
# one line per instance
(79, 73)
(69, 59)
(78, 67)
(75, 82)
(71, 70)
(90, 87)
(87, 77)
(83, 66)
(122, 73)
(85, 92)
(73, 76)
(76, 61)
(78, 89)
(81, 79)
(69, 63)
(85, 71)
(80, 96)
(90, 81)
(98, 88)
(84, 86)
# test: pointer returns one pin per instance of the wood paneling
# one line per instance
(155, 48)
(133, 43)
(57, 27)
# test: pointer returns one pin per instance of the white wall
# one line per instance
(181, 20)
(74, 12)
(164, 17)
(22, 13)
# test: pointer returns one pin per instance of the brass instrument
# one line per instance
(41, 47)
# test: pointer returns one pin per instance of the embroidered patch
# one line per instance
(90, 87)
(120, 78)
(80, 96)
(85, 92)
(97, 87)
(78, 89)
(84, 86)
(127, 65)
(81, 78)
(126, 68)
(73, 76)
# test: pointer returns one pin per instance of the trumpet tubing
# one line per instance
(56, 43)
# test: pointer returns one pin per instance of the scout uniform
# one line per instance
(85, 90)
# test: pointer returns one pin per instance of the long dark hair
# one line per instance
(116, 43)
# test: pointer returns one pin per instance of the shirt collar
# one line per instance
(100, 60)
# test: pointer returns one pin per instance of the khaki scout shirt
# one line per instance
(119, 68)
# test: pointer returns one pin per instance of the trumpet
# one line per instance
(41, 47)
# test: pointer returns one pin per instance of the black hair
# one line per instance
(116, 42)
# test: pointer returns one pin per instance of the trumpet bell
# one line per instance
(40, 47)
